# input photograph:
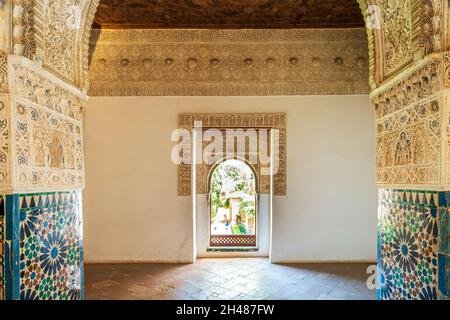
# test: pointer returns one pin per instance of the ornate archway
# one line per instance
(43, 84)
(233, 205)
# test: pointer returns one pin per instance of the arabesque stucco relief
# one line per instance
(409, 137)
(46, 130)
(401, 32)
(228, 62)
(224, 121)
(55, 34)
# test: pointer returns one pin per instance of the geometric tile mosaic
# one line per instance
(444, 252)
(51, 251)
(409, 234)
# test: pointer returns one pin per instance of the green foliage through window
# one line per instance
(233, 180)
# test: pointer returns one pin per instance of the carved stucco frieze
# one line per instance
(48, 149)
(233, 121)
(413, 86)
(228, 62)
(446, 145)
(50, 93)
(204, 170)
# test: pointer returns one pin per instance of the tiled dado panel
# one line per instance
(2, 248)
(412, 259)
(45, 231)
(444, 248)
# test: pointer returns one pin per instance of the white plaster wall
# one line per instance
(132, 212)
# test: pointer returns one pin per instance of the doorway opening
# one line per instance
(232, 202)
(233, 206)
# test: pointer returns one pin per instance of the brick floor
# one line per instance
(247, 278)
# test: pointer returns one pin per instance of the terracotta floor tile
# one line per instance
(224, 279)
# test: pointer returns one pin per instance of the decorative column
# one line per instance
(409, 79)
(43, 67)
(411, 143)
(44, 181)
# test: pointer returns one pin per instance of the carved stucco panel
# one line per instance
(263, 180)
(5, 143)
(400, 33)
(223, 121)
(397, 34)
(410, 145)
(431, 25)
(409, 127)
(446, 116)
(25, 32)
(3, 72)
(446, 134)
(45, 152)
(56, 34)
(47, 145)
(60, 36)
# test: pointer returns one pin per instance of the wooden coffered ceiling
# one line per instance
(228, 14)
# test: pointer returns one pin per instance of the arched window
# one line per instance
(233, 205)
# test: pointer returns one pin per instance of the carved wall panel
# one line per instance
(372, 36)
(430, 26)
(25, 33)
(401, 32)
(5, 144)
(56, 34)
(5, 26)
(47, 147)
(397, 35)
(263, 181)
(41, 147)
(87, 20)
(60, 36)
(409, 121)
(3, 72)
(446, 75)
(235, 120)
(42, 89)
(228, 62)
